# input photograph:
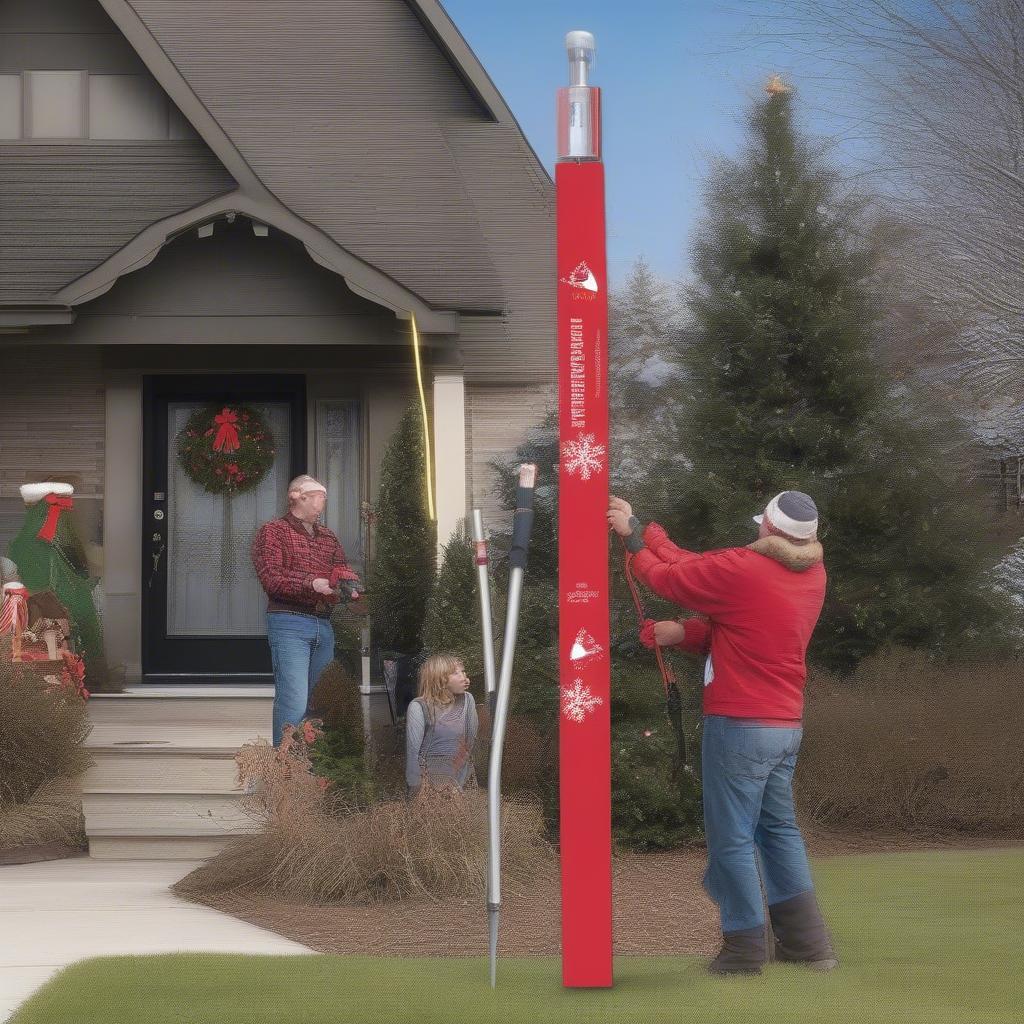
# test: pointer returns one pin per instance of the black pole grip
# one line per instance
(522, 520)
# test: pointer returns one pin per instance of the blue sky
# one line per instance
(676, 78)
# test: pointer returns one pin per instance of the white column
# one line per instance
(449, 453)
(123, 525)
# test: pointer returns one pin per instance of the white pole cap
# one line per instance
(582, 43)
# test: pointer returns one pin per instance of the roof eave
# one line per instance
(17, 319)
(361, 277)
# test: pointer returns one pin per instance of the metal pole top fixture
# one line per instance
(581, 49)
(579, 104)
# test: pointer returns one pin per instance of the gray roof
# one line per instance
(371, 122)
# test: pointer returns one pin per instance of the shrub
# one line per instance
(453, 613)
(42, 731)
(911, 743)
(652, 807)
(313, 847)
(338, 754)
(402, 572)
(347, 622)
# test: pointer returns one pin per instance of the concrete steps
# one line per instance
(235, 707)
(163, 784)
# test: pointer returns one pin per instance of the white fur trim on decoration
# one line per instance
(33, 493)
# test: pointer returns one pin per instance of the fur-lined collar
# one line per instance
(795, 557)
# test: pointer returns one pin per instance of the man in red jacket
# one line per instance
(757, 607)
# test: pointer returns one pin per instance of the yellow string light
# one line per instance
(423, 408)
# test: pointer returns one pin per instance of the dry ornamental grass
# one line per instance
(42, 731)
(314, 848)
(912, 744)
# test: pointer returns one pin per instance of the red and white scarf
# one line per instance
(14, 611)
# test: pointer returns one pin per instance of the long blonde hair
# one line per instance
(434, 673)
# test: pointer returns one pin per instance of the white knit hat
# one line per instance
(31, 494)
(792, 513)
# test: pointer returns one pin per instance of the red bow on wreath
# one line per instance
(227, 437)
(57, 505)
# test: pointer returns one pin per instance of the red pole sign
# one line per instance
(584, 675)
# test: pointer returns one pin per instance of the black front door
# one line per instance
(203, 610)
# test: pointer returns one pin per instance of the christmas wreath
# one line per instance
(226, 449)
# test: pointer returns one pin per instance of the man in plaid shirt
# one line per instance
(299, 563)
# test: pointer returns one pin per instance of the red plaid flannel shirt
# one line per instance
(287, 560)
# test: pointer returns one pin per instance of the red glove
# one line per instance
(342, 572)
(647, 634)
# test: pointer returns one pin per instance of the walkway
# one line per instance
(57, 912)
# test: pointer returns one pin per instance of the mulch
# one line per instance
(659, 909)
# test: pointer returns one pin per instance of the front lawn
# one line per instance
(930, 937)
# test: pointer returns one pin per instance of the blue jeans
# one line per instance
(301, 647)
(749, 817)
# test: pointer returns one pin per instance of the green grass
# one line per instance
(935, 938)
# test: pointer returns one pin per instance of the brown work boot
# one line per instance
(742, 952)
(800, 933)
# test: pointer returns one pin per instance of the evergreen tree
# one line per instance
(453, 615)
(402, 574)
(784, 394)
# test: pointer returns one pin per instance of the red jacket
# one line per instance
(761, 603)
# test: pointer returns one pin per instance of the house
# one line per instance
(251, 204)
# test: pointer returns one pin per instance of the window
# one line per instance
(126, 107)
(10, 106)
(67, 105)
(56, 104)
(337, 465)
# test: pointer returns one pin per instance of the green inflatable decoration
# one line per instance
(61, 566)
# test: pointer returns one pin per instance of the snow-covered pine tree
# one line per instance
(644, 366)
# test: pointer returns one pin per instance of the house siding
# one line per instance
(498, 419)
(52, 420)
(51, 425)
(63, 35)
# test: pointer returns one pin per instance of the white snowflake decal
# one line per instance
(583, 456)
(578, 701)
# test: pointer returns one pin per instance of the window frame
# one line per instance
(20, 76)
